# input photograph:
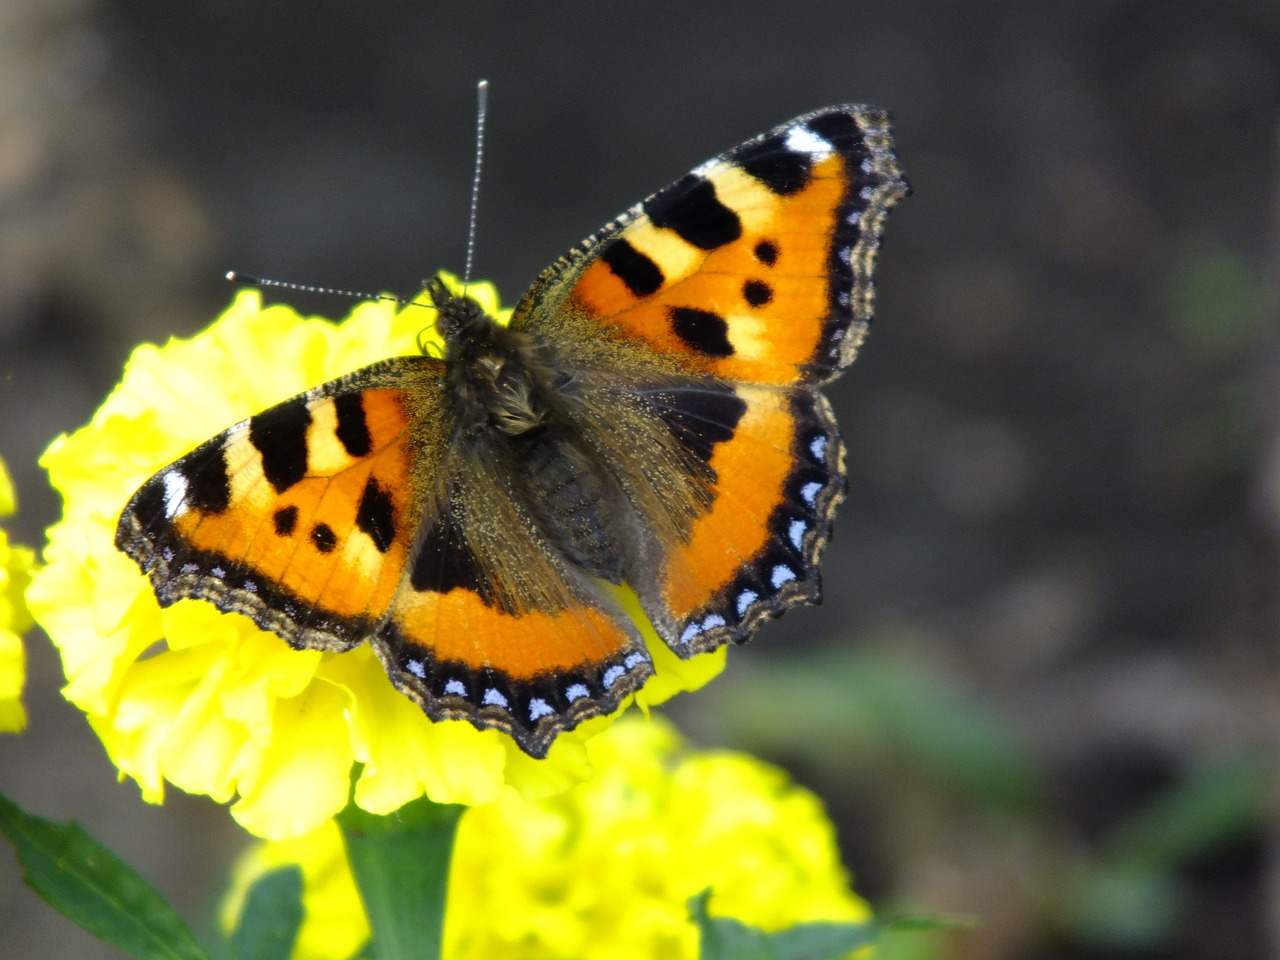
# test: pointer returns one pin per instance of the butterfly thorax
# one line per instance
(497, 379)
(514, 401)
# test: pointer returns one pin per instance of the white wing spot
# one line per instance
(634, 660)
(818, 447)
(417, 668)
(455, 688)
(745, 599)
(539, 708)
(249, 587)
(712, 621)
(810, 492)
(866, 193)
(218, 572)
(804, 140)
(781, 574)
(795, 533)
(576, 691)
(191, 568)
(175, 493)
(854, 217)
(494, 698)
(613, 675)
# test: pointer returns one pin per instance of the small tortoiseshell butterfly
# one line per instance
(649, 417)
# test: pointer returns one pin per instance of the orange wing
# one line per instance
(348, 514)
(756, 266)
(779, 468)
(492, 625)
(301, 517)
(741, 288)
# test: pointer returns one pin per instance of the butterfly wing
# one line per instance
(753, 553)
(757, 266)
(723, 302)
(692, 332)
(313, 498)
(492, 625)
(352, 512)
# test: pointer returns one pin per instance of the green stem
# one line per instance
(401, 866)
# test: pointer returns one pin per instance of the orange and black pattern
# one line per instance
(650, 417)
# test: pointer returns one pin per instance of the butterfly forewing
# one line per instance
(757, 266)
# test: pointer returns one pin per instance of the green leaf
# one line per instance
(947, 732)
(1215, 805)
(918, 936)
(1130, 896)
(820, 941)
(91, 886)
(271, 918)
(724, 938)
(401, 866)
(1215, 299)
(932, 923)
(862, 707)
(1124, 908)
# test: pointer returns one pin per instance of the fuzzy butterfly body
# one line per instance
(650, 417)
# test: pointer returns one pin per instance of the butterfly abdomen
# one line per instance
(511, 401)
(574, 502)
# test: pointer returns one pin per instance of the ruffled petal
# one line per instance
(605, 869)
(16, 566)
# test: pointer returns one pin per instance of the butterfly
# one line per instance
(650, 417)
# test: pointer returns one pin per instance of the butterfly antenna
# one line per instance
(482, 109)
(236, 277)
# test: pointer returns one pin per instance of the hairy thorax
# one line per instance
(509, 396)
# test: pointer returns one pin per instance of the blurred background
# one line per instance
(1042, 689)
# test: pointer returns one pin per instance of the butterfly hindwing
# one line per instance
(491, 625)
(530, 675)
(779, 475)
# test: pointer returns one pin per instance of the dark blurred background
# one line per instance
(1043, 687)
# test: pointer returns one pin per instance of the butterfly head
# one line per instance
(459, 317)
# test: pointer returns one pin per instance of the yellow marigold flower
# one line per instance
(205, 700)
(16, 564)
(605, 869)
